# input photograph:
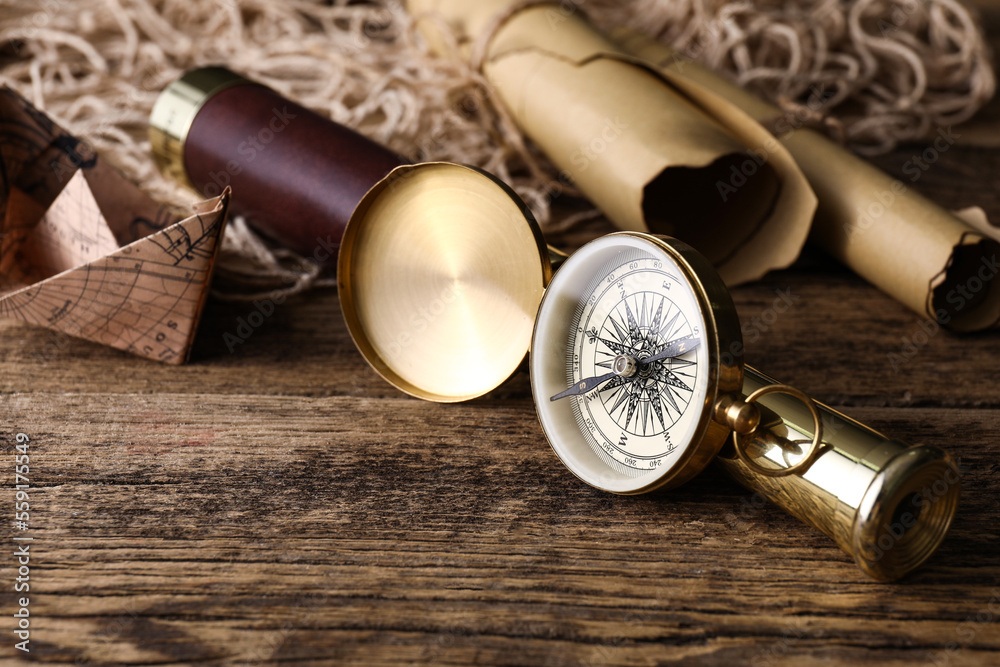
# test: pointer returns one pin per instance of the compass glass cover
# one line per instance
(622, 302)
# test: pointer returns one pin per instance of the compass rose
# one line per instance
(649, 401)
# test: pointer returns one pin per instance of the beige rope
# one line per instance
(807, 117)
(888, 70)
(249, 270)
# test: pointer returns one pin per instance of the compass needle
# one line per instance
(583, 386)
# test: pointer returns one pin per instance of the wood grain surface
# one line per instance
(279, 503)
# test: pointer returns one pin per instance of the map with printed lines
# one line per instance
(84, 252)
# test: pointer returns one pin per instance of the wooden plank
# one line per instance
(180, 527)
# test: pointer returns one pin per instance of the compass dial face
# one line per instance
(635, 421)
(621, 363)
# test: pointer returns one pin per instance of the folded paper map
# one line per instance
(86, 253)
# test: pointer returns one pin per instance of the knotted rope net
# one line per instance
(887, 71)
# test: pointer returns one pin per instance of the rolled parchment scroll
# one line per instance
(648, 152)
(560, 78)
(937, 263)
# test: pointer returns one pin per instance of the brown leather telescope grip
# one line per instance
(295, 175)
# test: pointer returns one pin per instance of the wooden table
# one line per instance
(281, 503)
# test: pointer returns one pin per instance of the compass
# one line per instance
(631, 351)
(636, 361)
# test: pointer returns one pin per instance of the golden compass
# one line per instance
(636, 361)
(626, 362)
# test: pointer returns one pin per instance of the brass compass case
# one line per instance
(441, 276)
(886, 503)
(631, 295)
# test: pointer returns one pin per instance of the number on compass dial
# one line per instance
(638, 326)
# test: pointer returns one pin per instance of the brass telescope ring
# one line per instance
(814, 446)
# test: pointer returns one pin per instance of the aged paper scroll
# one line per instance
(653, 155)
(941, 265)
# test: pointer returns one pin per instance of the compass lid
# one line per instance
(441, 271)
